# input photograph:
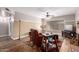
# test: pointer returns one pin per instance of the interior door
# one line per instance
(3, 27)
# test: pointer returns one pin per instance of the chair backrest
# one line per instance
(55, 37)
(38, 39)
(35, 37)
(30, 36)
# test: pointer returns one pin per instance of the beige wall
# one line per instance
(24, 28)
(77, 21)
(15, 29)
(27, 22)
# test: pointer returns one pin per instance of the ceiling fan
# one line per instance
(48, 16)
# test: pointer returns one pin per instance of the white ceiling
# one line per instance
(40, 12)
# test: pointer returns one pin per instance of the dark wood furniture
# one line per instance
(35, 37)
(38, 38)
(49, 43)
(69, 34)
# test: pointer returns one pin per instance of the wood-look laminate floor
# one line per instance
(23, 45)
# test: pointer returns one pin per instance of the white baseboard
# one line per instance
(3, 35)
(15, 38)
